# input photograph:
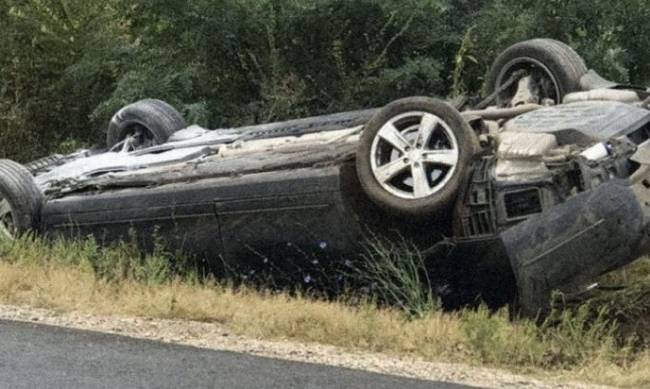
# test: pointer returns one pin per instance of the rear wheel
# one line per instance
(143, 124)
(549, 68)
(414, 154)
(20, 200)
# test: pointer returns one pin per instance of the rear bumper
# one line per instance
(571, 244)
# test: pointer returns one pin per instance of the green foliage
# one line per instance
(57, 61)
(67, 65)
(610, 35)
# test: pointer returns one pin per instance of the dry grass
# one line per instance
(78, 276)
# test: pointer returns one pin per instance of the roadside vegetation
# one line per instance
(66, 66)
(603, 340)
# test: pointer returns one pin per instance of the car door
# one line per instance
(284, 219)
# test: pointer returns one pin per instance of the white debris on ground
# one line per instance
(216, 337)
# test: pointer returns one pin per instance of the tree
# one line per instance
(67, 65)
(54, 67)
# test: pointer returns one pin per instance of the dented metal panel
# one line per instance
(573, 243)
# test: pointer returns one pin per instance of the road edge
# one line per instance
(213, 336)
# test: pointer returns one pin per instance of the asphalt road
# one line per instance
(37, 356)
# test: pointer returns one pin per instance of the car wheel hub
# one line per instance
(546, 86)
(414, 155)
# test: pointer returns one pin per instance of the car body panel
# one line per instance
(225, 219)
(583, 123)
(296, 215)
(571, 244)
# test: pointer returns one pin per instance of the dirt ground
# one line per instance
(213, 336)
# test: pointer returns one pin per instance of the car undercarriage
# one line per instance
(542, 185)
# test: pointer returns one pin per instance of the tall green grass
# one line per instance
(121, 261)
(395, 275)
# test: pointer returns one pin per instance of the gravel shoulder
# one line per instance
(216, 337)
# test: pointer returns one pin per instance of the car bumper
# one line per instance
(572, 244)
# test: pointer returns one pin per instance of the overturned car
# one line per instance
(543, 185)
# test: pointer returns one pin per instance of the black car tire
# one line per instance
(160, 119)
(560, 60)
(438, 202)
(18, 188)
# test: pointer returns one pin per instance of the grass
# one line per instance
(583, 343)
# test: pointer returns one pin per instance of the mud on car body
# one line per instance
(542, 185)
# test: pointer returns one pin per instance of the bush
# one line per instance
(67, 66)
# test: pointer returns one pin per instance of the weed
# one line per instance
(396, 275)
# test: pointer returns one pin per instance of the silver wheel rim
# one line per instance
(414, 155)
(533, 65)
(7, 226)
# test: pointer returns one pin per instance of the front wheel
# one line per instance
(413, 156)
(20, 200)
(143, 124)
